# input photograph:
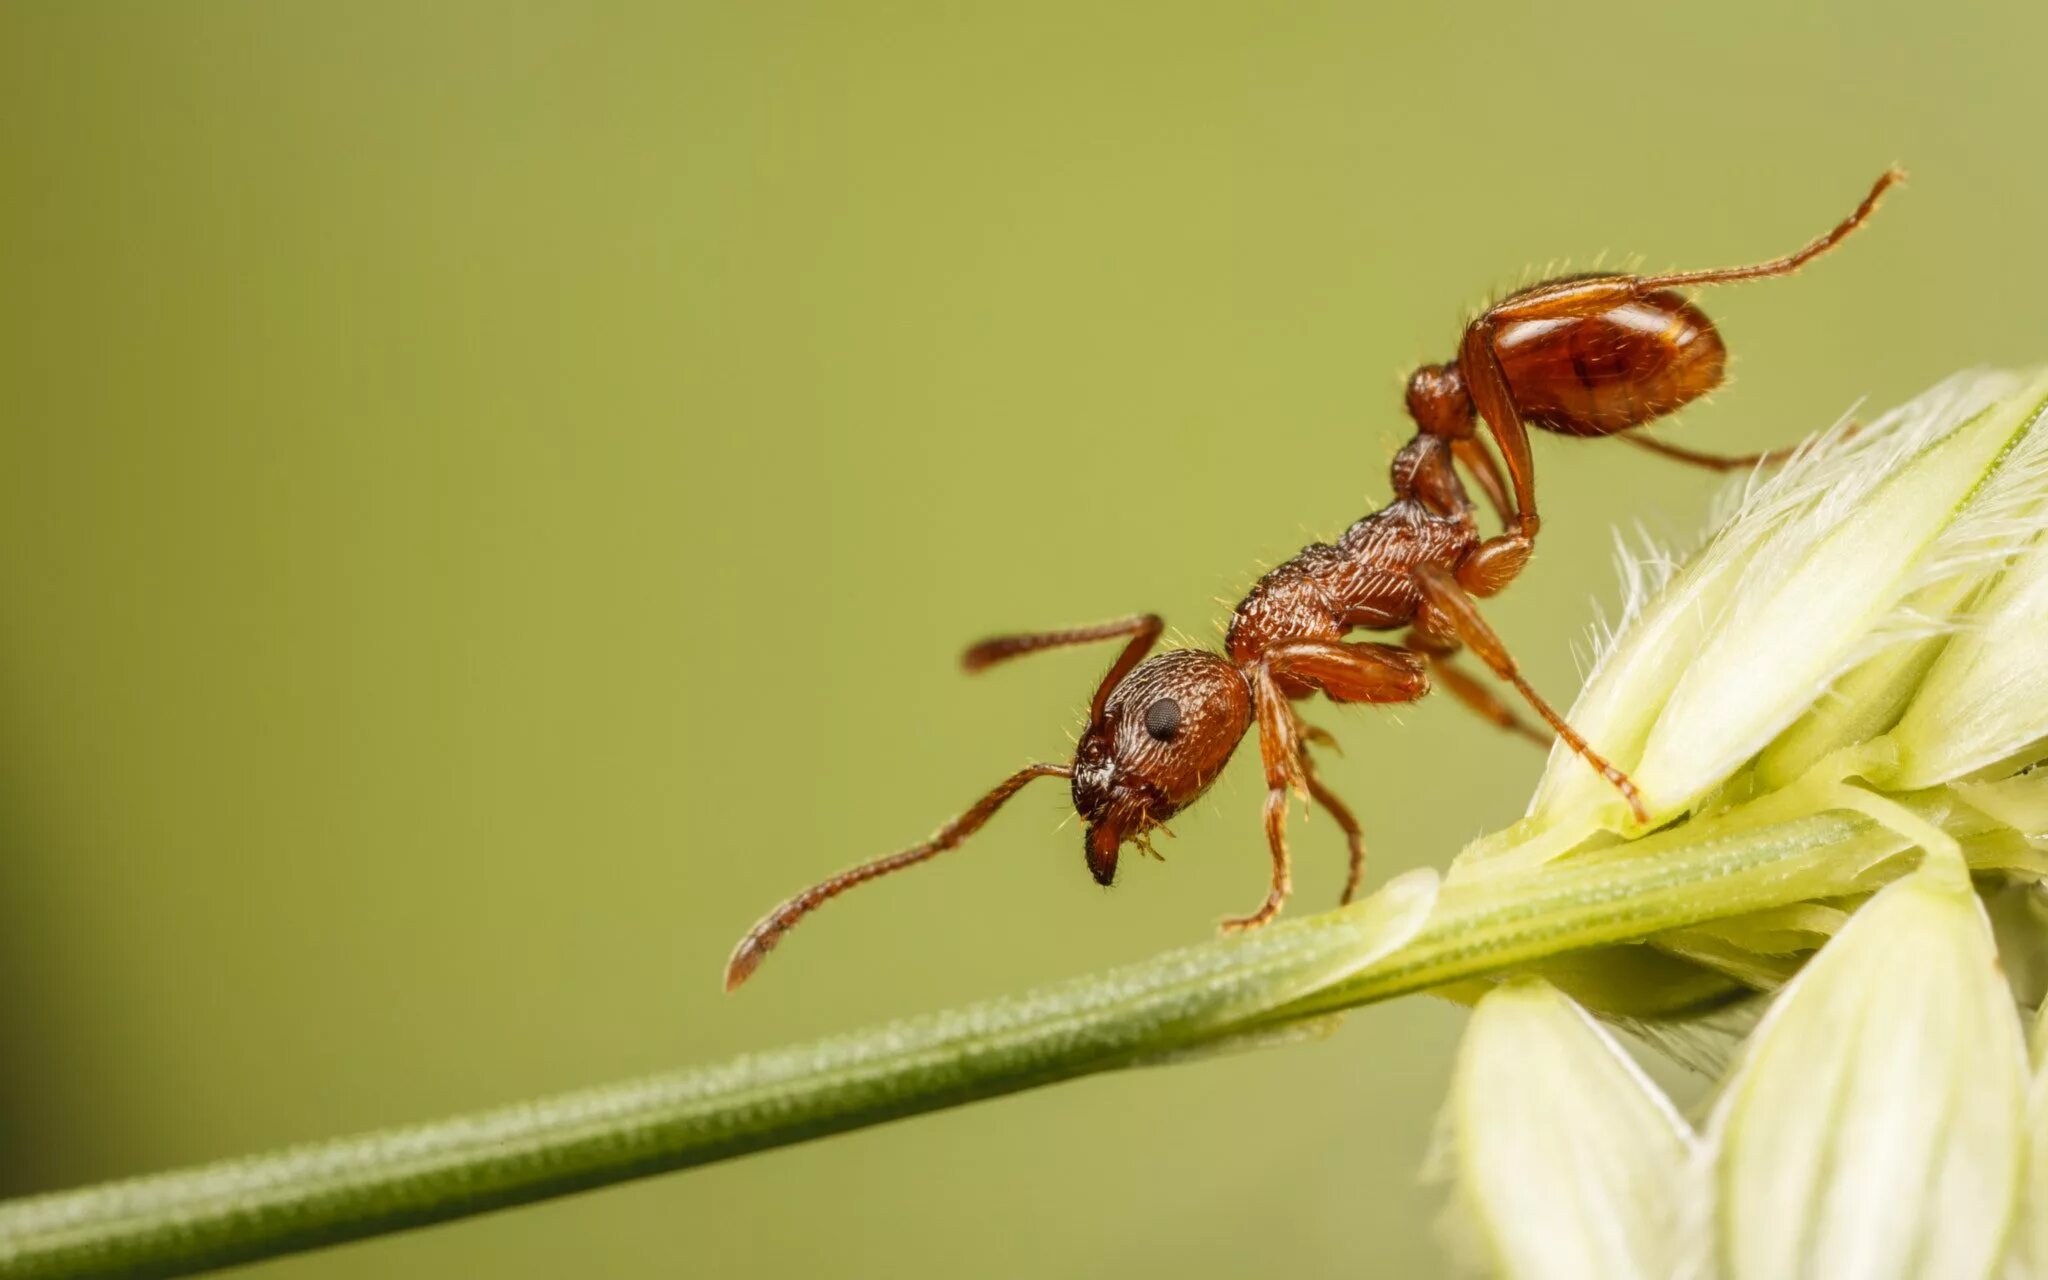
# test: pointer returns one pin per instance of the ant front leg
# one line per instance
(1280, 753)
(1345, 673)
(1450, 609)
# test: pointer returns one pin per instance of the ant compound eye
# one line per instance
(1162, 719)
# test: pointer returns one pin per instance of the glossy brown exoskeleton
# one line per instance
(1581, 356)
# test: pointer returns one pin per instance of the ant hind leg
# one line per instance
(1710, 461)
(1729, 462)
(1791, 262)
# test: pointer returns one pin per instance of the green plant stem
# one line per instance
(1208, 995)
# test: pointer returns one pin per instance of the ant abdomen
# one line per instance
(1620, 367)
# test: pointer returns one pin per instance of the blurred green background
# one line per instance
(491, 497)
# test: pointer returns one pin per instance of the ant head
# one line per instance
(1163, 735)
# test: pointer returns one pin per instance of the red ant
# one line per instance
(1590, 355)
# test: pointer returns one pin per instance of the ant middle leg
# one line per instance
(1340, 813)
(1466, 688)
(1450, 610)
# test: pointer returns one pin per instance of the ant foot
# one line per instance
(1631, 794)
(1256, 920)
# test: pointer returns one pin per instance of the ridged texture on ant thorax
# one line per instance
(1364, 581)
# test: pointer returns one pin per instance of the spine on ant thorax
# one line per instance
(1365, 580)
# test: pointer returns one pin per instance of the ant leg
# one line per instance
(1480, 700)
(1791, 262)
(1710, 461)
(1358, 672)
(1487, 385)
(1466, 689)
(1479, 461)
(1280, 752)
(1353, 672)
(761, 939)
(1728, 462)
(1348, 673)
(1143, 629)
(1321, 738)
(1713, 461)
(1454, 609)
(1354, 835)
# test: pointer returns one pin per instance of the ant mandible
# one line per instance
(1591, 355)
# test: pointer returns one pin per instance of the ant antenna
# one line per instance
(1143, 630)
(761, 939)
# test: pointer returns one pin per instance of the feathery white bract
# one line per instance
(1809, 619)
(1866, 635)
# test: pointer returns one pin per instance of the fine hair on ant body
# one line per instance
(1587, 355)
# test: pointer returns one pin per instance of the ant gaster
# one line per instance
(1590, 355)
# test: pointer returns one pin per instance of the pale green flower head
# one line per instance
(1876, 1126)
(1873, 609)
(1850, 679)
